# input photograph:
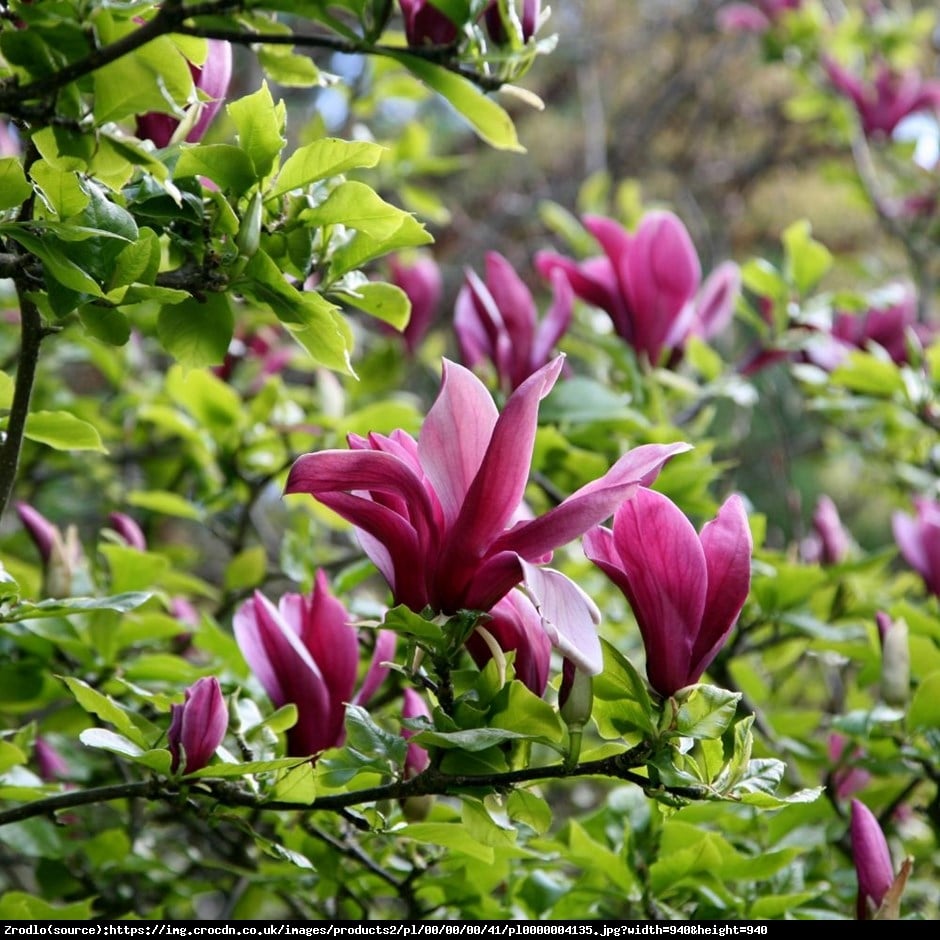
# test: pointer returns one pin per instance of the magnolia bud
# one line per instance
(895, 660)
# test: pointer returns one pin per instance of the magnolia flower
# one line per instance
(872, 861)
(9, 140)
(529, 20)
(755, 17)
(886, 100)
(650, 283)
(686, 590)
(212, 80)
(421, 280)
(846, 778)
(198, 726)
(50, 763)
(436, 515)
(918, 538)
(895, 659)
(514, 625)
(498, 320)
(416, 759)
(829, 542)
(129, 531)
(305, 651)
(62, 555)
(425, 23)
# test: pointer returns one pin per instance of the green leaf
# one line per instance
(763, 279)
(14, 187)
(105, 324)
(363, 248)
(154, 77)
(139, 260)
(260, 125)
(18, 905)
(386, 302)
(924, 710)
(53, 607)
(105, 708)
(165, 504)
(365, 736)
(406, 623)
(356, 205)
(488, 119)
(107, 740)
(249, 767)
(452, 836)
(526, 807)
(63, 431)
(225, 164)
(620, 684)
(57, 263)
(705, 711)
(296, 785)
(212, 402)
(472, 739)
(197, 333)
(869, 375)
(247, 569)
(806, 260)
(287, 68)
(322, 159)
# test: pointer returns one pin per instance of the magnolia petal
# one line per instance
(714, 305)
(556, 321)
(727, 544)
(569, 616)
(591, 504)
(664, 568)
(384, 652)
(907, 534)
(514, 302)
(472, 336)
(872, 859)
(455, 436)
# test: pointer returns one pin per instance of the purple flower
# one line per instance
(129, 530)
(425, 23)
(686, 590)
(755, 17)
(650, 283)
(61, 555)
(498, 321)
(416, 759)
(887, 99)
(515, 626)
(212, 79)
(421, 280)
(306, 651)
(531, 10)
(198, 726)
(9, 140)
(846, 778)
(50, 763)
(918, 538)
(436, 515)
(829, 542)
(872, 861)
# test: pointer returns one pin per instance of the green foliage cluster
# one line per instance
(181, 323)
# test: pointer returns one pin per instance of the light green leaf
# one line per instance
(260, 126)
(924, 711)
(249, 767)
(488, 119)
(18, 905)
(57, 263)
(247, 569)
(197, 333)
(472, 739)
(806, 260)
(451, 836)
(386, 302)
(105, 708)
(165, 503)
(14, 187)
(297, 784)
(705, 711)
(54, 607)
(225, 164)
(63, 431)
(356, 205)
(321, 159)
(109, 741)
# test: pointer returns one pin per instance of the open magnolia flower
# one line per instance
(439, 516)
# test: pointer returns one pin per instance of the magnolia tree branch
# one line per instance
(429, 783)
(170, 18)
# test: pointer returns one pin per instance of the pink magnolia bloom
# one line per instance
(516, 626)
(918, 538)
(426, 24)
(846, 778)
(416, 759)
(498, 320)
(829, 542)
(421, 280)
(650, 283)
(873, 866)
(129, 530)
(886, 100)
(306, 651)
(686, 590)
(529, 20)
(198, 726)
(212, 79)
(755, 17)
(50, 763)
(61, 553)
(436, 515)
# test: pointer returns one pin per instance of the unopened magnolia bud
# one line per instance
(895, 660)
(249, 232)
(576, 695)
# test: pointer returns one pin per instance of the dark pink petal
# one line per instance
(384, 652)
(909, 538)
(421, 280)
(455, 436)
(514, 302)
(472, 335)
(665, 573)
(591, 504)
(660, 277)
(530, 18)
(594, 281)
(568, 615)
(198, 726)
(727, 544)
(498, 487)
(556, 321)
(129, 530)
(873, 866)
(39, 528)
(50, 763)
(714, 305)
(417, 758)
(212, 79)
